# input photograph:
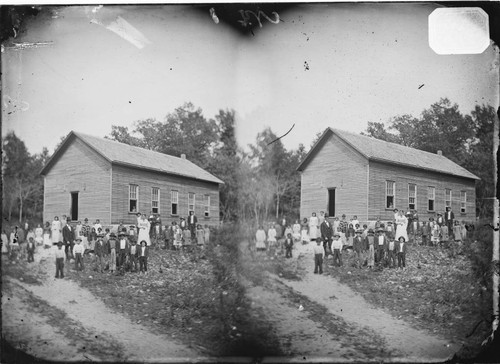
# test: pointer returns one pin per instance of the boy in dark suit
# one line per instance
(401, 251)
(288, 246)
(68, 238)
(134, 255)
(30, 249)
(143, 257)
(326, 235)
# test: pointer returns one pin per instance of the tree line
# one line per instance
(261, 180)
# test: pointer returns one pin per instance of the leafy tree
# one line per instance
(465, 139)
(21, 180)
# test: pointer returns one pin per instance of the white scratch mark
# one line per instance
(127, 31)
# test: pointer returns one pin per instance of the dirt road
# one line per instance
(72, 324)
(395, 339)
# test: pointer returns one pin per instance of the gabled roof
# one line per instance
(127, 155)
(382, 151)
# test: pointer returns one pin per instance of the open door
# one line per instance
(331, 202)
(74, 206)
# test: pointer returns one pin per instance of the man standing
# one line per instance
(449, 218)
(326, 235)
(68, 238)
(381, 246)
(192, 222)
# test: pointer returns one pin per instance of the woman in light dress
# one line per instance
(260, 239)
(47, 242)
(39, 235)
(401, 226)
(296, 231)
(304, 231)
(144, 226)
(56, 231)
(313, 227)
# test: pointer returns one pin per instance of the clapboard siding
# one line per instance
(122, 177)
(339, 166)
(381, 172)
(78, 169)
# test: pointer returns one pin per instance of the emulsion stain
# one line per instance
(306, 66)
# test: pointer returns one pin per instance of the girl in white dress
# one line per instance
(296, 231)
(39, 235)
(47, 242)
(304, 231)
(56, 230)
(401, 225)
(271, 240)
(144, 225)
(260, 239)
(313, 227)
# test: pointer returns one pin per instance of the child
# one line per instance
(14, 249)
(60, 255)
(200, 236)
(401, 251)
(260, 239)
(288, 245)
(78, 251)
(112, 252)
(271, 240)
(425, 232)
(100, 252)
(390, 231)
(318, 257)
(391, 253)
(143, 257)
(134, 256)
(296, 231)
(359, 247)
(123, 246)
(177, 237)
(30, 249)
(444, 234)
(39, 235)
(435, 234)
(186, 243)
(350, 234)
(47, 241)
(207, 234)
(365, 231)
(337, 250)
(463, 231)
(457, 232)
(370, 242)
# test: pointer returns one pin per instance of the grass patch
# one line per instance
(447, 294)
(195, 297)
(21, 270)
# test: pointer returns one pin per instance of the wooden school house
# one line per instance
(352, 174)
(97, 178)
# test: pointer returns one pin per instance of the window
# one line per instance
(412, 196)
(463, 201)
(174, 196)
(190, 202)
(431, 196)
(447, 198)
(133, 192)
(207, 205)
(389, 194)
(155, 200)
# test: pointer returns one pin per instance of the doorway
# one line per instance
(74, 206)
(331, 202)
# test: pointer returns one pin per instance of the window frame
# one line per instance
(446, 201)
(189, 202)
(433, 199)
(414, 197)
(157, 200)
(463, 202)
(206, 211)
(174, 202)
(393, 194)
(130, 199)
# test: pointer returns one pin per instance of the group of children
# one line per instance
(125, 250)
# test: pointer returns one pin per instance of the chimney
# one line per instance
(439, 152)
(183, 156)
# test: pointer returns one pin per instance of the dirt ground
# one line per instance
(315, 319)
(89, 316)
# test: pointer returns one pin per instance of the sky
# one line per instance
(322, 65)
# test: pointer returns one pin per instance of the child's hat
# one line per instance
(402, 237)
(59, 243)
(380, 230)
(78, 239)
(336, 233)
(370, 231)
(359, 231)
(144, 241)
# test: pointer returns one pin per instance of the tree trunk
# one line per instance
(20, 204)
